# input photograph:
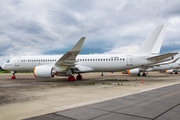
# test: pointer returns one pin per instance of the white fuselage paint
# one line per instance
(113, 62)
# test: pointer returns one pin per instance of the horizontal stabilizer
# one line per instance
(163, 56)
(165, 63)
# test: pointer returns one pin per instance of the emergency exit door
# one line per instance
(129, 60)
(17, 62)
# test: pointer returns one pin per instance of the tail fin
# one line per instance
(153, 42)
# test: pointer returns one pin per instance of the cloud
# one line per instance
(53, 27)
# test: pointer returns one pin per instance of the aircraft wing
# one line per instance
(68, 59)
(163, 56)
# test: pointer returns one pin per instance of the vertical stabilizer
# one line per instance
(152, 44)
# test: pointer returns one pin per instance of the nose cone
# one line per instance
(3, 66)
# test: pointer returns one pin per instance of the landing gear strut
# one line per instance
(13, 77)
(79, 77)
(102, 74)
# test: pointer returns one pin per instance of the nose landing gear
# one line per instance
(13, 77)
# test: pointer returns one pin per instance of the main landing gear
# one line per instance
(79, 77)
(138, 74)
(71, 78)
(13, 77)
(144, 74)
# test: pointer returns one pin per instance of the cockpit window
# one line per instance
(8, 61)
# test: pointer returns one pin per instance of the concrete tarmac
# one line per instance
(27, 97)
(158, 104)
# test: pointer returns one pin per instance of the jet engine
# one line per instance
(132, 71)
(169, 71)
(43, 72)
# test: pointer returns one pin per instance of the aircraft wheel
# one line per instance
(13, 77)
(144, 74)
(71, 78)
(138, 74)
(79, 77)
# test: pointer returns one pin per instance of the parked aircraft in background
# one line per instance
(168, 68)
(165, 67)
(71, 63)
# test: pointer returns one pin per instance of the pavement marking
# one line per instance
(107, 98)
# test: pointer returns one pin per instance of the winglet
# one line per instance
(78, 45)
(71, 55)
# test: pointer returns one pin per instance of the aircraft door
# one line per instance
(17, 62)
(129, 60)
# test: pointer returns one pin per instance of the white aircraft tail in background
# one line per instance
(71, 63)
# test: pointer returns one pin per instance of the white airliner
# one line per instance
(71, 63)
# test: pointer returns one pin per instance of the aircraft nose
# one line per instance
(3, 66)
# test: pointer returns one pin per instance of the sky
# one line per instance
(52, 27)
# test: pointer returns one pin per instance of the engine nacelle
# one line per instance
(43, 72)
(162, 71)
(133, 71)
(169, 71)
(124, 72)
